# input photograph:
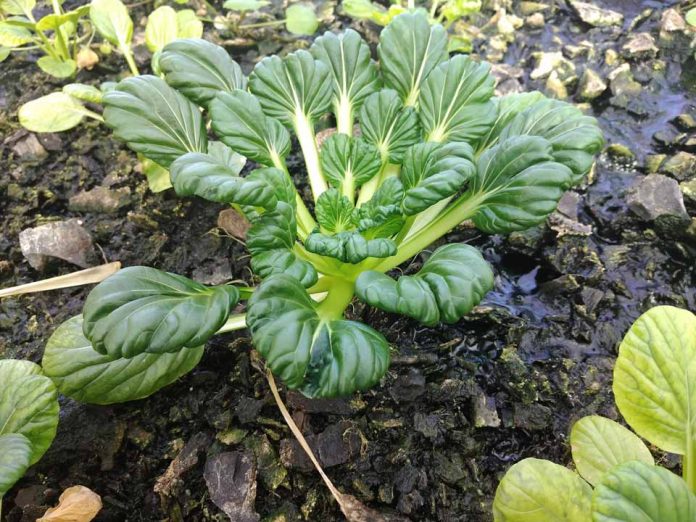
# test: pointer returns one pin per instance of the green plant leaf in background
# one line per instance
(200, 70)
(17, 7)
(57, 68)
(83, 92)
(535, 490)
(85, 375)
(654, 379)
(691, 17)
(161, 28)
(144, 310)
(300, 19)
(112, 21)
(4, 53)
(600, 444)
(409, 49)
(154, 119)
(245, 5)
(55, 112)
(15, 455)
(14, 36)
(639, 492)
(321, 357)
(188, 25)
(452, 281)
(28, 405)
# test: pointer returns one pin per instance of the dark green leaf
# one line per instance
(452, 281)
(271, 240)
(349, 247)
(279, 181)
(381, 216)
(15, 453)
(387, 124)
(454, 103)
(334, 211)
(204, 176)
(348, 163)
(409, 49)
(200, 69)
(295, 85)
(154, 119)
(88, 376)
(519, 183)
(507, 107)
(144, 310)
(239, 122)
(320, 358)
(226, 156)
(433, 171)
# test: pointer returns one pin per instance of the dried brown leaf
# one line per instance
(76, 504)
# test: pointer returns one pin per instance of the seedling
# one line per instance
(653, 386)
(300, 19)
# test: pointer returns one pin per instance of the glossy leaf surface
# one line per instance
(349, 247)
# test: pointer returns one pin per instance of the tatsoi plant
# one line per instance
(28, 419)
(654, 389)
(300, 19)
(434, 148)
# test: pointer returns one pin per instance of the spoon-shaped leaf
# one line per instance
(15, 453)
(112, 21)
(348, 163)
(349, 246)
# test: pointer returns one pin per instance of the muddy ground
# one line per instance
(460, 403)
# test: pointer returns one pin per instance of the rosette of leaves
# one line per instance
(615, 477)
(432, 148)
(28, 419)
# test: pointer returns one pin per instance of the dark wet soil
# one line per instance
(460, 404)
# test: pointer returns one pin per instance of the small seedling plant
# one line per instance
(433, 147)
(28, 419)
(654, 391)
(300, 18)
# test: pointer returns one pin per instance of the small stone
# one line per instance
(621, 152)
(100, 200)
(426, 425)
(591, 85)
(67, 240)
(29, 148)
(546, 63)
(656, 196)
(672, 21)
(611, 57)
(529, 8)
(640, 45)
(681, 166)
(535, 21)
(336, 445)
(231, 481)
(407, 388)
(653, 162)
(51, 141)
(596, 16)
(531, 417)
(555, 88)
(685, 122)
(508, 24)
(485, 413)
(688, 188)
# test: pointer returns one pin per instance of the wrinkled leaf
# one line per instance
(349, 247)
(639, 492)
(334, 211)
(654, 376)
(111, 19)
(381, 216)
(452, 281)
(87, 93)
(536, 490)
(200, 69)
(55, 112)
(320, 358)
(15, 454)
(57, 68)
(301, 20)
(154, 119)
(144, 310)
(409, 49)
(76, 504)
(85, 375)
(600, 444)
(28, 405)
(347, 163)
(239, 122)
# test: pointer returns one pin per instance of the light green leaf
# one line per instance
(301, 20)
(83, 92)
(349, 247)
(320, 358)
(452, 281)
(575, 138)
(14, 36)
(200, 69)
(4, 53)
(520, 184)
(111, 20)
(409, 49)
(691, 17)
(28, 405)
(157, 176)
(209, 178)
(144, 310)
(434, 171)
(654, 376)
(600, 444)
(387, 124)
(15, 454)
(295, 85)
(455, 101)
(88, 376)
(55, 112)
(17, 7)
(245, 5)
(239, 122)
(354, 73)
(362, 9)
(507, 107)
(57, 68)
(334, 211)
(639, 492)
(455, 9)
(271, 240)
(225, 155)
(154, 119)
(536, 490)
(161, 28)
(347, 163)
(188, 25)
